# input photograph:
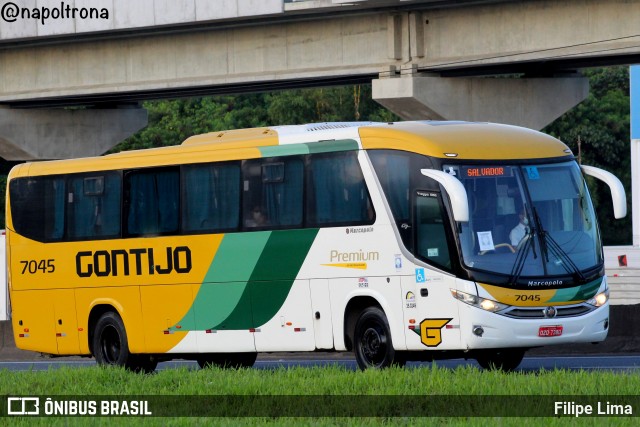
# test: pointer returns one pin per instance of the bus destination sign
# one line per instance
(486, 171)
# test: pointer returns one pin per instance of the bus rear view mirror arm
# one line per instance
(617, 190)
(455, 190)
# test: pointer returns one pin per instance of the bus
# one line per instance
(399, 241)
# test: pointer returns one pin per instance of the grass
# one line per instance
(360, 391)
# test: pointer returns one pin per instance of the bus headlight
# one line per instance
(483, 303)
(600, 299)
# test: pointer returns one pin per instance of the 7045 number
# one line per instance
(35, 266)
(527, 297)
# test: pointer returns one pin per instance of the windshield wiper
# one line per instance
(516, 271)
(548, 244)
(529, 244)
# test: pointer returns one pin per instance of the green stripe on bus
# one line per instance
(248, 280)
(226, 280)
(276, 271)
(589, 290)
(271, 280)
(284, 150)
(331, 146)
(577, 293)
(309, 148)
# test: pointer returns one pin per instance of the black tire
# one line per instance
(372, 343)
(227, 360)
(111, 347)
(144, 363)
(506, 359)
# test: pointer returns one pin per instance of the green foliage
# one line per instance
(173, 121)
(597, 130)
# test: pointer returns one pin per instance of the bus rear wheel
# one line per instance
(227, 360)
(505, 359)
(111, 346)
(372, 341)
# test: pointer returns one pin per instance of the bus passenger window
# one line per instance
(37, 207)
(211, 194)
(273, 193)
(93, 206)
(337, 193)
(152, 199)
(393, 169)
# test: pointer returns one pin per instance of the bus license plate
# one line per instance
(550, 331)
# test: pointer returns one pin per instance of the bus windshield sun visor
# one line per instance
(455, 190)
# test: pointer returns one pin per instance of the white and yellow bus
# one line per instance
(397, 241)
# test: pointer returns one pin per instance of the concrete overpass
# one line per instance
(426, 58)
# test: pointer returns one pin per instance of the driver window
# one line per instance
(432, 243)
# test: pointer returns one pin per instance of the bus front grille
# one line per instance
(539, 312)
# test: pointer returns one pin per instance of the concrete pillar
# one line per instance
(46, 134)
(528, 102)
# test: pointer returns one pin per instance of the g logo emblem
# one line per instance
(431, 331)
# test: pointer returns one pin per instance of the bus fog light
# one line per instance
(600, 299)
(478, 331)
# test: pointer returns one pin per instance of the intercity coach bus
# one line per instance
(397, 241)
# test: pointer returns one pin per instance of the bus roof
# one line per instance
(462, 140)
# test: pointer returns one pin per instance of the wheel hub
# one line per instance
(373, 345)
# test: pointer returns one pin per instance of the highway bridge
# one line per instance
(426, 59)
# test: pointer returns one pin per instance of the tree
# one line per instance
(597, 130)
(172, 121)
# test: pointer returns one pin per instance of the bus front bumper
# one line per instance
(482, 329)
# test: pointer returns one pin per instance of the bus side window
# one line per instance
(211, 197)
(273, 193)
(93, 206)
(37, 207)
(337, 194)
(152, 200)
(393, 169)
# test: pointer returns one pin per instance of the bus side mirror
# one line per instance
(617, 190)
(455, 190)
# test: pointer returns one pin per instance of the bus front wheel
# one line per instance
(505, 359)
(111, 347)
(372, 341)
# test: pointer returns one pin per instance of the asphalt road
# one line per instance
(629, 363)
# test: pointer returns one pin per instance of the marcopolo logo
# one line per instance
(545, 282)
(136, 261)
(352, 230)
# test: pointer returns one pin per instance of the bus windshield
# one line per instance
(528, 220)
